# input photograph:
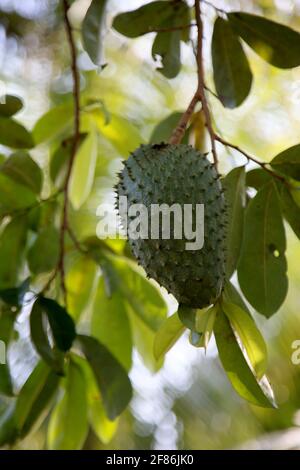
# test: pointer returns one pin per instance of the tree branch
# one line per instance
(201, 81)
(200, 93)
(76, 98)
(263, 165)
(180, 129)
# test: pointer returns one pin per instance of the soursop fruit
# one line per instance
(178, 174)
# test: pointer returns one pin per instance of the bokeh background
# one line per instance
(188, 403)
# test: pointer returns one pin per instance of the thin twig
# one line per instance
(263, 165)
(179, 131)
(201, 81)
(76, 137)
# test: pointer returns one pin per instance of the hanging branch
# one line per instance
(200, 96)
(200, 93)
(64, 226)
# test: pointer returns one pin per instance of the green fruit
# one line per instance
(162, 173)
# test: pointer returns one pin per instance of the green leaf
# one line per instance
(290, 210)
(110, 325)
(14, 196)
(12, 245)
(258, 392)
(205, 320)
(14, 135)
(103, 427)
(68, 425)
(40, 339)
(55, 123)
(8, 431)
(62, 325)
(92, 34)
(112, 380)
(232, 295)
(43, 255)
(14, 296)
(144, 299)
(83, 170)
(167, 47)
(149, 17)
(288, 162)
(114, 131)
(6, 386)
(81, 284)
(251, 338)
(257, 178)
(34, 398)
(163, 131)
(60, 158)
(262, 266)
(277, 44)
(143, 340)
(170, 331)
(232, 73)
(187, 316)
(235, 194)
(23, 169)
(10, 105)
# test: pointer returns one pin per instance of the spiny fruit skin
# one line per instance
(165, 173)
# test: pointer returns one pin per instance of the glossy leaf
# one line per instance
(232, 295)
(14, 135)
(205, 320)
(276, 43)
(60, 158)
(149, 17)
(235, 194)
(169, 332)
(235, 365)
(114, 131)
(143, 340)
(24, 170)
(34, 398)
(83, 171)
(81, 284)
(257, 178)
(103, 427)
(187, 316)
(12, 245)
(92, 30)
(10, 105)
(112, 380)
(167, 46)
(14, 196)
(288, 162)
(6, 387)
(232, 74)
(290, 210)
(44, 253)
(55, 123)
(68, 425)
(40, 339)
(250, 336)
(8, 431)
(61, 323)
(144, 299)
(110, 325)
(262, 266)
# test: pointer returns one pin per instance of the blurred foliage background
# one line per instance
(188, 403)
